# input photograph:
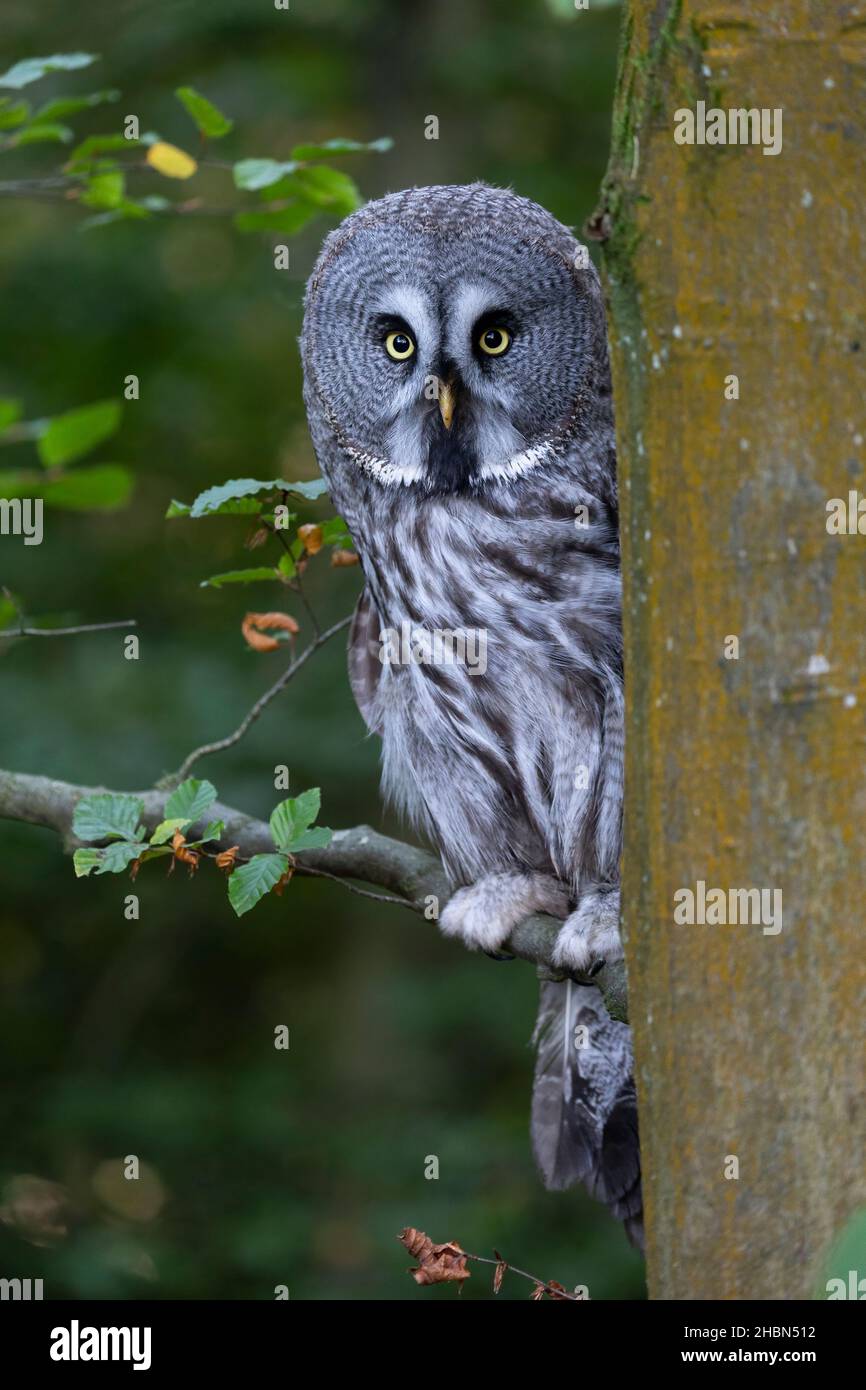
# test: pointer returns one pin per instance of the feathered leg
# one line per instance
(484, 915)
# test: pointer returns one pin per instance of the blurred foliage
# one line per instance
(844, 1272)
(156, 1037)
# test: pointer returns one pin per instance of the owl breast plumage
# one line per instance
(458, 393)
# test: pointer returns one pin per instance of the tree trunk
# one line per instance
(745, 759)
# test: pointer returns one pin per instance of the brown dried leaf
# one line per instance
(558, 1292)
(341, 558)
(437, 1264)
(226, 858)
(311, 535)
(257, 538)
(537, 1293)
(499, 1275)
(181, 853)
(255, 636)
(283, 882)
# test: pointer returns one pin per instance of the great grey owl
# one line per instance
(458, 392)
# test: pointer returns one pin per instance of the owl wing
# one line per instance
(365, 668)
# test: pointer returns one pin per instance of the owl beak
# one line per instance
(447, 398)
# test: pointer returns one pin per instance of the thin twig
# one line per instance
(353, 888)
(14, 187)
(543, 1283)
(66, 631)
(297, 587)
(220, 745)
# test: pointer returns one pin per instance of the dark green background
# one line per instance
(156, 1037)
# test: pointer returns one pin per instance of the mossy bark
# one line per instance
(743, 771)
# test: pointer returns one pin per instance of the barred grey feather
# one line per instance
(584, 1111)
(470, 524)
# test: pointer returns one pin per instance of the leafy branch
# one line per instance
(446, 1264)
(61, 441)
(286, 194)
(115, 819)
(361, 855)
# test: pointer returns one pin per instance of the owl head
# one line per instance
(454, 338)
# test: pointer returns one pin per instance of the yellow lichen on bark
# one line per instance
(743, 771)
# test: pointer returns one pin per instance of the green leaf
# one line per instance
(83, 860)
(154, 852)
(252, 174)
(325, 188)
(315, 838)
(105, 190)
(68, 106)
(107, 816)
(239, 498)
(42, 134)
(250, 883)
(114, 859)
(239, 506)
(119, 856)
(8, 613)
(13, 114)
(100, 144)
(10, 411)
(103, 488)
(74, 434)
(191, 799)
(213, 831)
(312, 489)
(336, 147)
(335, 532)
(208, 119)
(166, 828)
(293, 817)
(31, 69)
(288, 220)
(21, 482)
(287, 567)
(213, 498)
(251, 576)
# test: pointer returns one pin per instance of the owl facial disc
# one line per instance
(448, 335)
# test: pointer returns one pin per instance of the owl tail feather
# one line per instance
(584, 1110)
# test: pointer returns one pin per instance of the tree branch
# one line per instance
(66, 631)
(362, 854)
(252, 715)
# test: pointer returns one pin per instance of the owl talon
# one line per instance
(589, 939)
(499, 955)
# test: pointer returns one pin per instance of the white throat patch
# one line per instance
(395, 475)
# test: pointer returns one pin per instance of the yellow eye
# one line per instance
(399, 346)
(495, 341)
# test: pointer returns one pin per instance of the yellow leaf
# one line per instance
(170, 161)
